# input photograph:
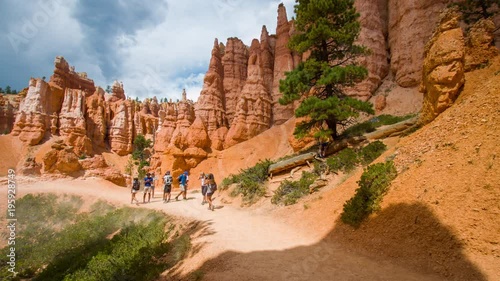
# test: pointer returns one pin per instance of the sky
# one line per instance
(155, 47)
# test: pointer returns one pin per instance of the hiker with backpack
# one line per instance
(211, 188)
(183, 182)
(136, 185)
(203, 188)
(153, 183)
(148, 181)
(167, 186)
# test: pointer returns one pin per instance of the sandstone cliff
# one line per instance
(240, 93)
(443, 70)
(9, 106)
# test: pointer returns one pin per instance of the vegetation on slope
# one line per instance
(58, 242)
(372, 124)
(249, 182)
(373, 185)
(289, 192)
(347, 159)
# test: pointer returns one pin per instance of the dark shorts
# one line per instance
(204, 190)
(210, 194)
(167, 188)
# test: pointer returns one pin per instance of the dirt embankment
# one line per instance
(442, 213)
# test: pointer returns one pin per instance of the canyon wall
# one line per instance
(240, 93)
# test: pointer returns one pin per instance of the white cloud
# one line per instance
(158, 58)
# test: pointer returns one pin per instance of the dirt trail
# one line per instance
(233, 244)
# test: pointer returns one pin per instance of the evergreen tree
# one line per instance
(1, 90)
(474, 10)
(328, 29)
(108, 89)
(7, 90)
(140, 144)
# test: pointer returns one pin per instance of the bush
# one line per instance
(140, 168)
(289, 192)
(140, 145)
(373, 185)
(57, 241)
(346, 160)
(372, 124)
(359, 129)
(320, 167)
(370, 152)
(129, 166)
(249, 182)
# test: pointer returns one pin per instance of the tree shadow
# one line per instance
(402, 242)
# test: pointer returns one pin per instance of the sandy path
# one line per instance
(233, 244)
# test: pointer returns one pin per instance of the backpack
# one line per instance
(136, 185)
(212, 186)
(168, 180)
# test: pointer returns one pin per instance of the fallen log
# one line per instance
(392, 130)
(306, 158)
(291, 163)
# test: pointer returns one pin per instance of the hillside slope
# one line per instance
(442, 213)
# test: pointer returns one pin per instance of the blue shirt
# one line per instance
(148, 181)
(183, 178)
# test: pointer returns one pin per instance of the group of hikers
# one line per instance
(208, 187)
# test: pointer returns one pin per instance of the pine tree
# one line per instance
(7, 90)
(474, 10)
(328, 29)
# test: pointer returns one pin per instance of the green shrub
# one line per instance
(346, 160)
(373, 185)
(249, 182)
(386, 119)
(140, 145)
(320, 167)
(140, 168)
(370, 152)
(359, 129)
(57, 241)
(289, 192)
(372, 124)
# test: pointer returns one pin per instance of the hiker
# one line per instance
(136, 185)
(183, 183)
(323, 145)
(153, 183)
(211, 188)
(167, 186)
(203, 188)
(148, 181)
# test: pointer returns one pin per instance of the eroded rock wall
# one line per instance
(443, 70)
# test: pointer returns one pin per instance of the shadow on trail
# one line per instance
(402, 242)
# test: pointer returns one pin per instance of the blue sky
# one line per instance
(155, 47)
